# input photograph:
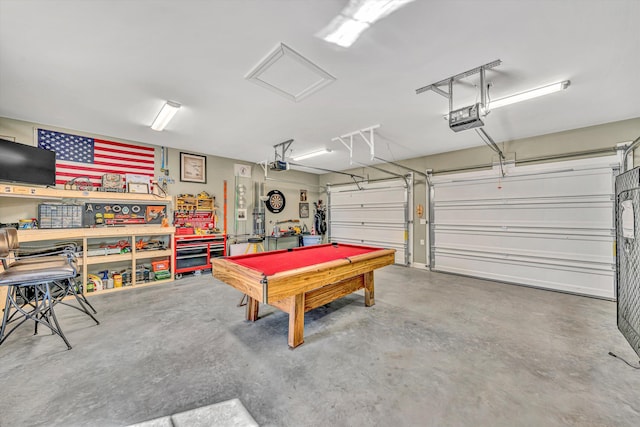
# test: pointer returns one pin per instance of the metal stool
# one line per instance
(37, 256)
(29, 295)
(254, 246)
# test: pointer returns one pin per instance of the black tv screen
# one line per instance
(26, 164)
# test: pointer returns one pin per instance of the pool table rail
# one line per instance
(246, 280)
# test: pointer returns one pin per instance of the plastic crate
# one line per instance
(162, 265)
(309, 240)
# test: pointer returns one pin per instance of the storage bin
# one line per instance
(52, 215)
(311, 240)
(162, 265)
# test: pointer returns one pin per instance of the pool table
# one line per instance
(300, 279)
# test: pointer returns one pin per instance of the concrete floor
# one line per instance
(435, 350)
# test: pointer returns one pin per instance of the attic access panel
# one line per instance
(289, 74)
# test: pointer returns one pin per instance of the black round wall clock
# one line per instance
(275, 202)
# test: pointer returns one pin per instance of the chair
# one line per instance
(29, 295)
(43, 254)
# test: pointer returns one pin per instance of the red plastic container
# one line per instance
(160, 265)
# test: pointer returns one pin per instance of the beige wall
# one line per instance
(219, 169)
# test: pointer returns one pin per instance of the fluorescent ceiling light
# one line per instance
(372, 10)
(356, 17)
(347, 31)
(169, 109)
(533, 93)
(311, 154)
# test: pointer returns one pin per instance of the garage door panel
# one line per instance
(591, 215)
(593, 282)
(380, 234)
(388, 195)
(595, 249)
(591, 182)
(533, 229)
(544, 225)
(391, 215)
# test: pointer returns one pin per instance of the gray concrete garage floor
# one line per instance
(435, 350)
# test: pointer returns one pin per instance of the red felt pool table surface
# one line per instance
(301, 279)
(270, 263)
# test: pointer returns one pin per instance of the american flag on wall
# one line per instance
(78, 156)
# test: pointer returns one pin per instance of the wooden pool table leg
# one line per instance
(296, 320)
(253, 306)
(369, 294)
(369, 297)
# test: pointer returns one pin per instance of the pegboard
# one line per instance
(96, 214)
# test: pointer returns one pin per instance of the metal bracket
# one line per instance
(449, 82)
(284, 146)
(265, 167)
(436, 86)
(369, 142)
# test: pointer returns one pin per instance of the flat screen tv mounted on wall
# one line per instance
(26, 164)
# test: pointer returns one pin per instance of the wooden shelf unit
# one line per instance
(130, 233)
(10, 190)
(82, 234)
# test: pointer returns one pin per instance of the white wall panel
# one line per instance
(547, 225)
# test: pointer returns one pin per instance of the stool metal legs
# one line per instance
(36, 302)
(67, 287)
(254, 248)
(41, 312)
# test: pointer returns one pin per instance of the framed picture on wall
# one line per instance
(303, 195)
(193, 168)
(304, 210)
(138, 187)
(242, 214)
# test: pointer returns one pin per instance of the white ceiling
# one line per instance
(106, 67)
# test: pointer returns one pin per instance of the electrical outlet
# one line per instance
(421, 242)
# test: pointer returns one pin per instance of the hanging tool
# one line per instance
(287, 220)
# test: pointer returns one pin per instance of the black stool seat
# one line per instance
(255, 240)
(26, 275)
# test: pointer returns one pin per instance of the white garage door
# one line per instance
(374, 213)
(549, 226)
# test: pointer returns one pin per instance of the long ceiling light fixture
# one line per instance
(529, 94)
(169, 109)
(355, 18)
(311, 154)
